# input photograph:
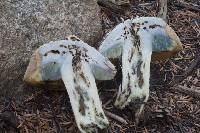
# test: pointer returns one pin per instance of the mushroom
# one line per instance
(132, 42)
(77, 64)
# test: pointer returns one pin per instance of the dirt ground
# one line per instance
(173, 106)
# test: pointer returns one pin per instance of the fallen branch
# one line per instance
(116, 117)
(189, 6)
(188, 91)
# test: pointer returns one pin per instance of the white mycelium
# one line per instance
(77, 64)
(132, 42)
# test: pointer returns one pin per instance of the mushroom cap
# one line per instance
(46, 62)
(165, 42)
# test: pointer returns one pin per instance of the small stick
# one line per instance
(116, 117)
(188, 91)
(188, 70)
(189, 6)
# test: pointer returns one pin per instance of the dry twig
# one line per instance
(188, 91)
(189, 6)
(188, 71)
(116, 117)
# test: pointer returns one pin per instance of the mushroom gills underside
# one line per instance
(84, 98)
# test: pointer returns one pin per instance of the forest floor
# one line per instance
(173, 106)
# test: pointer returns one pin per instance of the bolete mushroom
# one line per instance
(133, 42)
(77, 64)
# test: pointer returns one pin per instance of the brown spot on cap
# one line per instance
(55, 51)
(154, 26)
(125, 28)
(52, 51)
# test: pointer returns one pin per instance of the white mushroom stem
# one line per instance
(83, 94)
(134, 79)
(136, 57)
